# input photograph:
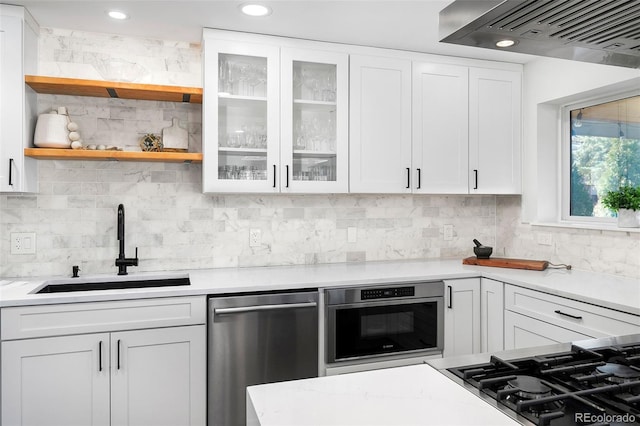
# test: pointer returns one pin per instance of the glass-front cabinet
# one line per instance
(275, 119)
(241, 128)
(314, 145)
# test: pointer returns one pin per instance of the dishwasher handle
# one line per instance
(260, 308)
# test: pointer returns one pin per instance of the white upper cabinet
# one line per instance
(380, 125)
(440, 128)
(18, 56)
(294, 116)
(314, 121)
(241, 117)
(275, 118)
(495, 131)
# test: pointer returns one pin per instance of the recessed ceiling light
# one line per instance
(254, 9)
(116, 14)
(505, 43)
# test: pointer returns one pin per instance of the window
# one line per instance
(603, 153)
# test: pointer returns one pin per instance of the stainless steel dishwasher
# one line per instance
(254, 339)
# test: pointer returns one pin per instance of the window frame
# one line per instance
(565, 167)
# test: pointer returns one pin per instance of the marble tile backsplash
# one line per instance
(175, 226)
(122, 122)
(97, 56)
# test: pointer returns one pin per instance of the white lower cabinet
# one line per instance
(56, 381)
(462, 317)
(141, 377)
(521, 331)
(534, 318)
(122, 376)
(492, 315)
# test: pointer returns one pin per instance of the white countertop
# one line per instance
(413, 395)
(609, 291)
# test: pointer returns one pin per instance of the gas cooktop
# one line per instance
(580, 386)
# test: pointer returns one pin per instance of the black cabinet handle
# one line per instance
(419, 179)
(100, 356)
(118, 354)
(450, 305)
(10, 171)
(559, 312)
(475, 173)
(408, 177)
(287, 170)
(274, 175)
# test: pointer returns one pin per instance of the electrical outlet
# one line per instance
(544, 239)
(23, 243)
(255, 237)
(447, 232)
(352, 234)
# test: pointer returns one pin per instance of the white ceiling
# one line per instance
(401, 24)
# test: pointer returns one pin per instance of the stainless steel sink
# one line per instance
(78, 284)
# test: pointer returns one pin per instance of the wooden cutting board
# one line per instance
(501, 262)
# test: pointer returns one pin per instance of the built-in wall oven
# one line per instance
(372, 323)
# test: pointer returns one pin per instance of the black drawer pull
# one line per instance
(408, 178)
(118, 354)
(450, 305)
(10, 171)
(274, 175)
(559, 312)
(100, 356)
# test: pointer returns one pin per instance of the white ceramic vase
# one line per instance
(628, 218)
(51, 131)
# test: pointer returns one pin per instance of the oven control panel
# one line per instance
(383, 293)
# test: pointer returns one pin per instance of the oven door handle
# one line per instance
(257, 308)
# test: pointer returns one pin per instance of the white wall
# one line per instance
(547, 84)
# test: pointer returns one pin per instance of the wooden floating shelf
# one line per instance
(96, 155)
(112, 89)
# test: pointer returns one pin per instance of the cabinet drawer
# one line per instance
(571, 314)
(77, 318)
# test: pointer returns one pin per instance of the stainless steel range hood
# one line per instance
(600, 31)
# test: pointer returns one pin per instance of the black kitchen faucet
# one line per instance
(122, 261)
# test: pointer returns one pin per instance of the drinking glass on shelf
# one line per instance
(329, 87)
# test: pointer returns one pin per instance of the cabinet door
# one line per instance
(494, 131)
(56, 381)
(380, 125)
(241, 124)
(159, 376)
(440, 128)
(462, 317)
(521, 331)
(314, 121)
(492, 315)
(11, 112)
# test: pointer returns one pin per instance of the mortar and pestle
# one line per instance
(482, 252)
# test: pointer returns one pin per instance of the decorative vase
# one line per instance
(628, 218)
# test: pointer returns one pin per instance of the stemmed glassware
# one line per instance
(240, 78)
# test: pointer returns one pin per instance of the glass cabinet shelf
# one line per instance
(226, 99)
(313, 154)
